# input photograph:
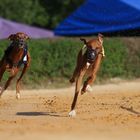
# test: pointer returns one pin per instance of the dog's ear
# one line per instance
(11, 37)
(100, 38)
(27, 37)
(84, 40)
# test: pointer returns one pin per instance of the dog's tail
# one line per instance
(84, 40)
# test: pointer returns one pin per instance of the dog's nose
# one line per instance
(21, 43)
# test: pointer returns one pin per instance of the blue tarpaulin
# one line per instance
(104, 16)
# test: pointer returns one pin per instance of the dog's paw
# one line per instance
(18, 96)
(89, 88)
(72, 113)
(82, 92)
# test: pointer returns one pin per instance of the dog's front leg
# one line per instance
(75, 73)
(15, 71)
(2, 70)
(77, 68)
(26, 66)
(77, 90)
(92, 77)
(87, 84)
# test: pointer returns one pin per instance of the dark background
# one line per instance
(41, 13)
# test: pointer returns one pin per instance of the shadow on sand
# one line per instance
(40, 114)
(130, 109)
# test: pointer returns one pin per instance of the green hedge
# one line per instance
(55, 59)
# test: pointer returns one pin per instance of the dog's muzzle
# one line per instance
(21, 44)
(91, 55)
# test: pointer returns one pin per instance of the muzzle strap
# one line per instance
(84, 49)
(91, 55)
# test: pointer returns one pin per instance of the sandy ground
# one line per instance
(109, 112)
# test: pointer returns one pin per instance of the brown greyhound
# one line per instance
(15, 55)
(88, 62)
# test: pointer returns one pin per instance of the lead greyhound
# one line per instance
(88, 62)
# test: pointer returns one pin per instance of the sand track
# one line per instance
(110, 112)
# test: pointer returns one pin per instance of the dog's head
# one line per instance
(20, 38)
(94, 47)
(94, 43)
